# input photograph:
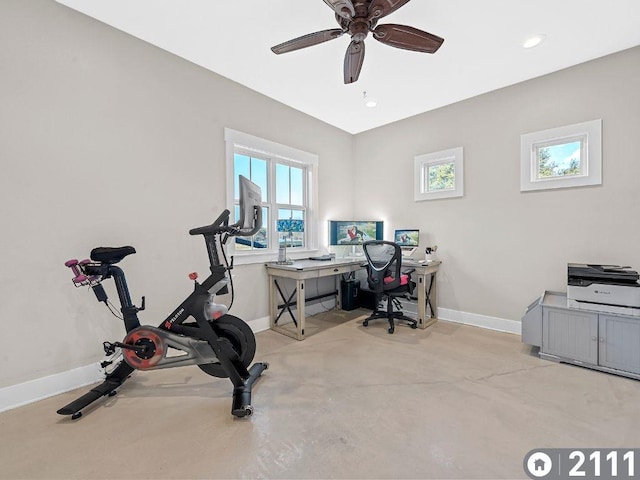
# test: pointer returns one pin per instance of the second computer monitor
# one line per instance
(408, 240)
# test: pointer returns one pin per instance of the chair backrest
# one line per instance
(384, 260)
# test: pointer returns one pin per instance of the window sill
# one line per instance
(270, 256)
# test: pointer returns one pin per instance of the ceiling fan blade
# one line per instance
(307, 41)
(353, 61)
(382, 8)
(344, 8)
(407, 38)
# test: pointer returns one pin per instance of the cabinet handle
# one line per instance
(595, 339)
(601, 339)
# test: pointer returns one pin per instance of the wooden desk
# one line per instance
(301, 270)
(427, 287)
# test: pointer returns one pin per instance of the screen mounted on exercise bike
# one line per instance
(250, 219)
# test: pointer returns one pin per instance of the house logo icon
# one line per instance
(538, 464)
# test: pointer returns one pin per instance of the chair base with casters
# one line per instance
(391, 315)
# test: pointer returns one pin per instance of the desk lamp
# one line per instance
(289, 226)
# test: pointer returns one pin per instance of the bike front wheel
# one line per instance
(239, 336)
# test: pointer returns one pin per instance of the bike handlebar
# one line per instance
(257, 224)
(221, 225)
(215, 227)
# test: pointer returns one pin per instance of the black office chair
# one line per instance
(386, 278)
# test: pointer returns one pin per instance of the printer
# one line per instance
(604, 288)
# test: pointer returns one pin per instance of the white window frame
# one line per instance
(421, 168)
(244, 143)
(589, 134)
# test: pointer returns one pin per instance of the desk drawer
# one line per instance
(305, 270)
(337, 270)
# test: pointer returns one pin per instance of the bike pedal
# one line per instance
(109, 348)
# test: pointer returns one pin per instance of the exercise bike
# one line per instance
(205, 335)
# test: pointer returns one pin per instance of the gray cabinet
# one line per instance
(619, 342)
(601, 341)
(570, 334)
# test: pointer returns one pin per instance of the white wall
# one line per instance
(107, 141)
(501, 248)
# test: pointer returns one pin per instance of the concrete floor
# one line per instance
(452, 401)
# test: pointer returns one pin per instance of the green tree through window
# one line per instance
(442, 177)
(548, 168)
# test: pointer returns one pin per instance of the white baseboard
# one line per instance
(483, 321)
(41, 388)
(16, 396)
(259, 324)
(24, 393)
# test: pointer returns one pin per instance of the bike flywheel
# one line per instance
(239, 336)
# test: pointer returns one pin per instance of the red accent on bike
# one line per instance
(193, 275)
(144, 335)
(167, 325)
(70, 263)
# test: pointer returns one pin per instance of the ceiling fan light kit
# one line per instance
(368, 101)
(358, 18)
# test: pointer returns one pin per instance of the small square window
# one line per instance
(562, 157)
(438, 175)
(441, 177)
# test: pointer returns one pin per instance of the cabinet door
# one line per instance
(570, 334)
(620, 343)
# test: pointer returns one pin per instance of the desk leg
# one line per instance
(300, 307)
(432, 296)
(275, 313)
(427, 294)
(273, 302)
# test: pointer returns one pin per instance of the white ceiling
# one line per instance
(482, 49)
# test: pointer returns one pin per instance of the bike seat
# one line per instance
(110, 255)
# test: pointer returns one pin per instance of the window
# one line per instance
(439, 175)
(287, 179)
(562, 157)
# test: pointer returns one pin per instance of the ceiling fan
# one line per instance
(358, 18)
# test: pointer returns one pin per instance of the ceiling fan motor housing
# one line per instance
(358, 18)
(359, 29)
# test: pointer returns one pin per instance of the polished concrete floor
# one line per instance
(452, 401)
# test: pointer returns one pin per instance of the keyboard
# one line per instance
(322, 258)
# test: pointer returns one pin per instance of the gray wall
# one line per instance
(107, 140)
(501, 248)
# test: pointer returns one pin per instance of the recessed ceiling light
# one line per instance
(368, 101)
(534, 40)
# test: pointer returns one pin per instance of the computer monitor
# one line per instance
(354, 232)
(408, 240)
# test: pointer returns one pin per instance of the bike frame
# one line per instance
(192, 306)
